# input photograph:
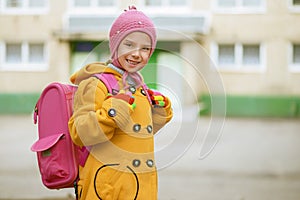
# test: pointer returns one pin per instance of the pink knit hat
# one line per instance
(130, 21)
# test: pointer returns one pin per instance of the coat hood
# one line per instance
(89, 70)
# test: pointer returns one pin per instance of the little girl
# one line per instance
(119, 128)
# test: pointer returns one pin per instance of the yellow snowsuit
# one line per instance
(121, 163)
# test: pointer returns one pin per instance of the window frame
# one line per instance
(238, 65)
(25, 64)
(238, 8)
(25, 9)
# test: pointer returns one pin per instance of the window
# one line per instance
(251, 55)
(153, 3)
(240, 6)
(296, 2)
(23, 56)
(226, 55)
(239, 3)
(82, 3)
(295, 57)
(36, 53)
(83, 7)
(105, 3)
(93, 3)
(251, 3)
(226, 3)
(294, 5)
(296, 54)
(163, 6)
(13, 3)
(13, 53)
(165, 2)
(37, 3)
(178, 2)
(238, 56)
(24, 6)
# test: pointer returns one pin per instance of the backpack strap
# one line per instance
(145, 88)
(112, 86)
(109, 81)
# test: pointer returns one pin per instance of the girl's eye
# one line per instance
(146, 49)
(128, 44)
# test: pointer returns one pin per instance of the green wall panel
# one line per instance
(236, 106)
(17, 103)
(256, 106)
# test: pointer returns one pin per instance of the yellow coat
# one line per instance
(121, 161)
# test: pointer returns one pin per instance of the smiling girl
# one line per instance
(119, 129)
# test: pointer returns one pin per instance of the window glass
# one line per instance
(82, 3)
(83, 46)
(153, 2)
(251, 3)
(105, 3)
(226, 3)
(24, 6)
(178, 2)
(13, 53)
(296, 54)
(296, 2)
(239, 56)
(24, 56)
(37, 3)
(251, 55)
(13, 3)
(36, 53)
(239, 3)
(226, 54)
(93, 3)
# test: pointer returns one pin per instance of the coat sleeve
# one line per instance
(91, 122)
(161, 116)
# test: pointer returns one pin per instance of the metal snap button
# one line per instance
(132, 89)
(136, 162)
(150, 163)
(143, 92)
(136, 127)
(149, 129)
(112, 112)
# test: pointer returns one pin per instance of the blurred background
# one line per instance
(238, 56)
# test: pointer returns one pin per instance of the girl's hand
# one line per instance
(158, 99)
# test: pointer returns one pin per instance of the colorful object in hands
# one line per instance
(158, 100)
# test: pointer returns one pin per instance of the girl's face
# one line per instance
(134, 51)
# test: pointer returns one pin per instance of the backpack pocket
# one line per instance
(53, 164)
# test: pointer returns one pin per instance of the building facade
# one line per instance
(248, 49)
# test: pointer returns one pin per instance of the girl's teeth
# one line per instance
(132, 62)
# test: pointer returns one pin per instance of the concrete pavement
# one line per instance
(254, 159)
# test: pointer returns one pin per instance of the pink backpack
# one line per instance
(58, 157)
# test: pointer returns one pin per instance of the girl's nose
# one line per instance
(136, 53)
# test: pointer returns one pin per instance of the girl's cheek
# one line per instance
(146, 56)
